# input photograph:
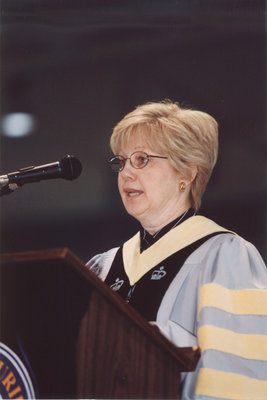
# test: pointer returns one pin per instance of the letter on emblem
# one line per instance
(117, 285)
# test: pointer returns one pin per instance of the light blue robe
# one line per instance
(218, 302)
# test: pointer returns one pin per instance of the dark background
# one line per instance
(80, 66)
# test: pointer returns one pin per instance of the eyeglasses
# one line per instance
(138, 160)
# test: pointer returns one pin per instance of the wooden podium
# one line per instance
(77, 338)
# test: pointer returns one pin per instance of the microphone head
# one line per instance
(71, 167)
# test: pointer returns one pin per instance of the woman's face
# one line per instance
(151, 194)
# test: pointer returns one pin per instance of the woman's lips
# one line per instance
(131, 192)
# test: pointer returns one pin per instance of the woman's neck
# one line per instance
(154, 226)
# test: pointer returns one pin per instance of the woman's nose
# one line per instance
(128, 171)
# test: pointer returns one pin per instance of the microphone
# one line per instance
(68, 168)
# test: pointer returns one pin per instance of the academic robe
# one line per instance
(216, 301)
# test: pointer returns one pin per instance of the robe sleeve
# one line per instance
(232, 323)
(100, 264)
(221, 303)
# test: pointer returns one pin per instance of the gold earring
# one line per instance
(182, 186)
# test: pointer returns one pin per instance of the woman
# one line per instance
(201, 284)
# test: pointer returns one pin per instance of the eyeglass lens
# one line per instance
(139, 159)
(117, 163)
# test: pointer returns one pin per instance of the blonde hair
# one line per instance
(186, 136)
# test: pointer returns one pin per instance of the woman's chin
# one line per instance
(136, 213)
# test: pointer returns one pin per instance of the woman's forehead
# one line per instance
(129, 150)
(139, 137)
(134, 142)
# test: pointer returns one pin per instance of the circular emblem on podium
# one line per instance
(15, 382)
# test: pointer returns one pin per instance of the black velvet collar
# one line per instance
(146, 240)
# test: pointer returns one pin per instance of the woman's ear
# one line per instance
(192, 173)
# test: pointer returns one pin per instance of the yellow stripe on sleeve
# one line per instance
(247, 346)
(229, 386)
(245, 301)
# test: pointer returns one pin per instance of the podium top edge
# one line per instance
(48, 254)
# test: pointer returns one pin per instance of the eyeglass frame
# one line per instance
(124, 159)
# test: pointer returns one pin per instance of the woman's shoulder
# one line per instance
(226, 243)
(230, 259)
